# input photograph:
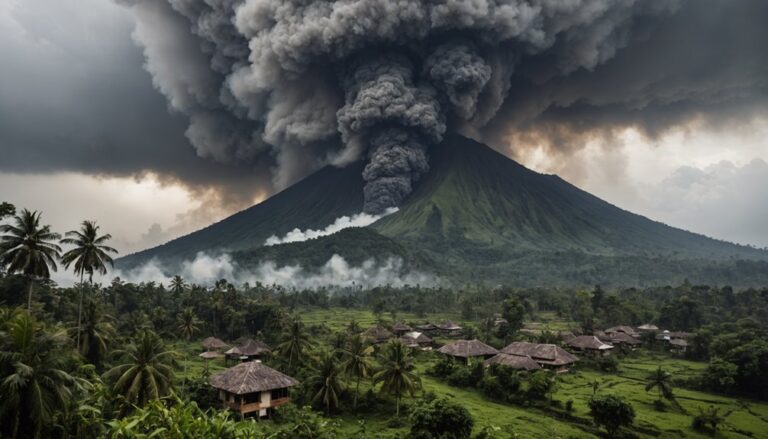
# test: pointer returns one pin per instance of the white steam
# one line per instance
(336, 272)
(341, 223)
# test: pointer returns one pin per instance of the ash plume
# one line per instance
(301, 84)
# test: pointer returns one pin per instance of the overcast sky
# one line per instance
(85, 135)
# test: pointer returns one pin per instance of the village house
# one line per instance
(252, 388)
(517, 362)
(248, 351)
(589, 344)
(428, 328)
(401, 328)
(213, 344)
(377, 334)
(549, 356)
(468, 349)
(622, 330)
(449, 328)
(648, 327)
(415, 339)
(619, 339)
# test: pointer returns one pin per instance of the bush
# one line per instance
(443, 368)
(569, 406)
(611, 412)
(540, 384)
(461, 377)
(493, 389)
(440, 419)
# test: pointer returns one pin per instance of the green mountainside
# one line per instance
(477, 216)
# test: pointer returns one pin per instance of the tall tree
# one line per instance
(357, 361)
(396, 372)
(187, 324)
(97, 333)
(326, 382)
(33, 383)
(146, 372)
(27, 248)
(90, 255)
(661, 380)
(178, 286)
(295, 343)
(7, 209)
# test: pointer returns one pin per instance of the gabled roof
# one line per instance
(251, 377)
(620, 337)
(468, 348)
(401, 327)
(543, 353)
(213, 343)
(448, 326)
(588, 342)
(678, 342)
(427, 327)
(250, 348)
(418, 337)
(514, 361)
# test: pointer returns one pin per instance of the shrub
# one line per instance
(461, 377)
(443, 368)
(440, 419)
(569, 406)
(540, 384)
(611, 412)
(493, 389)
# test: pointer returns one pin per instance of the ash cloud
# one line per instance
(344, 222)
(288, 79)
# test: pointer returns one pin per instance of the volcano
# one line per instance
(477, 217)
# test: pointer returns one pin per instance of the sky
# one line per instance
(89, 130)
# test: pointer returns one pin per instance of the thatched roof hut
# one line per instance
(518, 362)
(377, 334)
(251, 377)
(448, 326)
(648, 327)
(588, 343)
(213, 344)
(251, 348)
(547, 355)
(621, 338)
(622, 328)
(401, 328)
(468, 349)
(415, 339)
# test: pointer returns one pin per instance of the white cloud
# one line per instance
(341, 223)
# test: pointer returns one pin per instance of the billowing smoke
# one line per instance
(285, 80)
(341, 223)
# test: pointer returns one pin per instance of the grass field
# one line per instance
(748, 418)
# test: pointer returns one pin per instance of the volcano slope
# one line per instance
(478, 216)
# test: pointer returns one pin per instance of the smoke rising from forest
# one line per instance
(300, 84)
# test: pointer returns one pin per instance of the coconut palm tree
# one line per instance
(295, 343)
(326, 381)
(90, 254)
(33, 383)
(357, 362)
(396, 372)
(97, 333)
(178, 286)
(662, 381)
(187, 323)
(146, 373)
(27, 248)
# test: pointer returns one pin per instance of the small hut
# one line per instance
(678, 345)
(250, 350)
(209, 355)
(252, 388)
(517, 362)
(213, 344)
(415, 339)
(429, 328)
(377, 334)
(590, 344)
(466, 349)
(401, 328)
(449, 328)
(548, 356)
(620, 339)
(622, 329)
(648, 327)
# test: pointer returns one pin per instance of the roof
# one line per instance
(251, 347)
(212, 343)
(401, 327)
(621, 328)
(209, 355)
(678, 342)
(648, 327)
(514, 361)
(680, 334)
(448, 326)
(543, 353)
(588, 342)
(251, 377)
(621, 337)
(418, 337)
(427, 327)
(468, 348)
(377, 333)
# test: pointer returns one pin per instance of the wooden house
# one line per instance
(467, 349)
(548, 356)
(252, 388)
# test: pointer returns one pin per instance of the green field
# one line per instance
(748, 418)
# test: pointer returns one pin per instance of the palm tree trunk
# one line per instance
(357, 392)
(80, 312)
(29, 294)
(16, 424)
(397, 406)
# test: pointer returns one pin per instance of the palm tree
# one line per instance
(33, 383)
(326, 381)
(356, 362)
(26, 248)
(97, 333)
(296, 343)
(187, 323)
(178, 285)
(89, 255)
(396, 372)
(147, 372)
(662, 381)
